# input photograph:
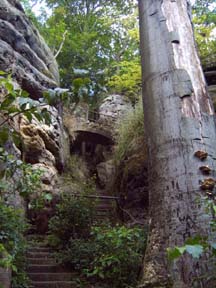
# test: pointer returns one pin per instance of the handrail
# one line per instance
(96, 196)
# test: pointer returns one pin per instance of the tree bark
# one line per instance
(179, 122)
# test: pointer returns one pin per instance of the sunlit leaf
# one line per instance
(173, 253)
(194, 250)
(28, 115)
(9, 86)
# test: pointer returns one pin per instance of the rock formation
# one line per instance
(113, 108)
(25, 55)
(23, 52)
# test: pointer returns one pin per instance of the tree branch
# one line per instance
(135, 221)
(62, 43)
(33, 4)
(10, 117)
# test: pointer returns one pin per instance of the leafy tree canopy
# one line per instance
(99, 43)
(204, 18)
(99, 38)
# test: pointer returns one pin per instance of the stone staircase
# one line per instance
(42, 269)
(105, 210)
(106, 207)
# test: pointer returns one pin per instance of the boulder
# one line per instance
(49, 176)
(45, 144)
(113, 108)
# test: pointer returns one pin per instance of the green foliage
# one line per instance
(31, 180)
(130, 132)
(17, 176)
(208, 8)
(79, 254)
(88, 87)
(12, 243)
(204, 19)
(40, 201)
(100, 36)
(111, 255)
(195, 249)
(128, 80)
(118, 256)
(73, 219)
(13, 102)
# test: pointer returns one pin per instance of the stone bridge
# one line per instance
(89, 130)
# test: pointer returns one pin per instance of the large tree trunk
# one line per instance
(179, 122)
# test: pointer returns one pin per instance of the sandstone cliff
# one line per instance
(25, 55)
(23, 51)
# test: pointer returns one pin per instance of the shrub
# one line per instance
(111, 254)
(15, 176)
(73, 219)
(79, 254)
(12, 243)
(118, 254)
(127, 81)
(130, 133)
(14, 102)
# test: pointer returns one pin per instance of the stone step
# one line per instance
(37, 245)
(43, 255)
(103, 218)
(103, 210)
(109, 207)
(45, 268)
(47, 277)
(38, 249)
(35, 237)
(103, 213)
(54, 284)
(40, 261)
